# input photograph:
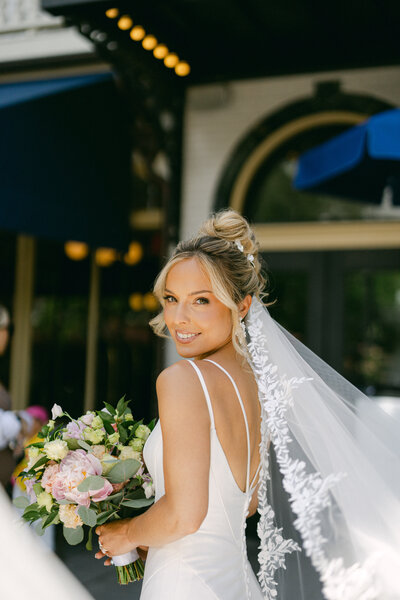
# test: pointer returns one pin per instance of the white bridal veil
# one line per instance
(333, 529)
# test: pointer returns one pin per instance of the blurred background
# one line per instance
(124, 124)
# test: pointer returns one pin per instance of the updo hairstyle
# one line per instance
(231, 273)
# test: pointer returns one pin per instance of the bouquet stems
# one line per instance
(132, 572)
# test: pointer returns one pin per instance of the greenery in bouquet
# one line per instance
(88, 471)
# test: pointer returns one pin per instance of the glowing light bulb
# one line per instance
(182, 69)
(76, 250)
(137, 33)
(160, 51)
(105, 256)
(125, 22)
(112, 13)
(149, 42)
(136, 301)
(150, 302)
(171, 60)
(134, 254)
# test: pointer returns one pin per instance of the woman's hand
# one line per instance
(114, 539)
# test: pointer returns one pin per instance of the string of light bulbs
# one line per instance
(149, 42)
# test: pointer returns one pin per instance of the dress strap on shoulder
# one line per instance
(244, 417)
(205, 390)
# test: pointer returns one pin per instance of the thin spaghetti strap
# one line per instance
(244, 416)
(205, 390)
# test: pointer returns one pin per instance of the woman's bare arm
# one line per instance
(185, 427)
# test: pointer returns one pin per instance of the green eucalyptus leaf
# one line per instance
(73, 536)
(93, 482)
(115, 498)
(123, 470)
(104, 516)
(139, 503)
(21, 502)
(84, 445)
(89, 545)
(152, 424)
(87, 515)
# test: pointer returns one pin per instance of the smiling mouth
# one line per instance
(185, 337)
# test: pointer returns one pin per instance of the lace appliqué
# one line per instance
(309, 493)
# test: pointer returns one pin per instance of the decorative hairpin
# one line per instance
(249, 257)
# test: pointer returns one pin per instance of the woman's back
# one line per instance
(212, 562)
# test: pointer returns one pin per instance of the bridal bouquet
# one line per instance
(87, 471)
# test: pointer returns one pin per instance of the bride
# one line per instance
(210, 458)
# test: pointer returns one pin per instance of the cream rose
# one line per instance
(128, 452)
(137, 444)
(93, 435)
(45, 499)
(69, 516)
(114, 438)
(99, 451)
(56, 450)
(142, 432)
(97, 422)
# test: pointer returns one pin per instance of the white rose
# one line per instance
(149, 489)
(56, 411)
(69, 516)
(45, 499)
(93, 435)
(56, 450)
(142, 432)
(128, 452)
(137, 444)
(34, 455)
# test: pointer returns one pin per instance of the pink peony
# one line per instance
(49, 476)
(73, 469)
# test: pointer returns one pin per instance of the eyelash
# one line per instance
(169, 300)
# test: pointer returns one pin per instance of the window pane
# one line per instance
(372, 330)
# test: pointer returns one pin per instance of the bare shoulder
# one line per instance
(178, 387)
(180, 373)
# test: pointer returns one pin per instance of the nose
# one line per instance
(181, 314)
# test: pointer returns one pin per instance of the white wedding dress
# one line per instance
(210, 564)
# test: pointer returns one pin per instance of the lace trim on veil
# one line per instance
(309, 493)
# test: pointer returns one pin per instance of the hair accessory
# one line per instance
(249, 257)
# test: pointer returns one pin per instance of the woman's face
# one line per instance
(197, 321)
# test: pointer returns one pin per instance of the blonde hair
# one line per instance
(232, 275)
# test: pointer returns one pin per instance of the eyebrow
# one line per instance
(192, 293)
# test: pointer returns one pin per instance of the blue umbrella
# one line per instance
(358, 164)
